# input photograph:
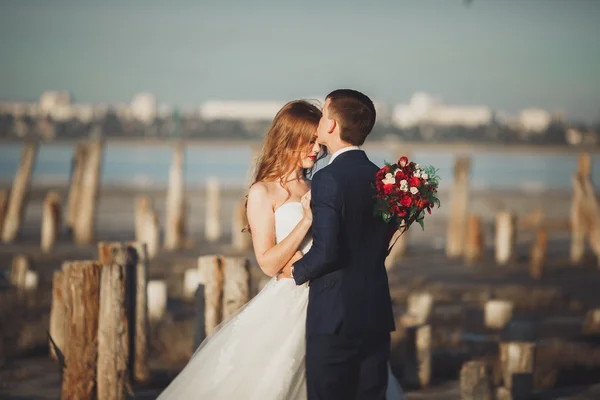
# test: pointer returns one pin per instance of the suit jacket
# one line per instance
(349, 292)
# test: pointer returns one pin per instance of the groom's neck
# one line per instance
(335, 147)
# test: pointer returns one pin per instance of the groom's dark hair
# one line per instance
(354, 112)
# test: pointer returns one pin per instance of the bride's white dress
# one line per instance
(259, 352)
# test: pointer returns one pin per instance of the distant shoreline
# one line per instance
(404, 146)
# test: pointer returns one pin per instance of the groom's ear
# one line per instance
(331, 126)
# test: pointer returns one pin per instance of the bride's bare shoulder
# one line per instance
(260, 192)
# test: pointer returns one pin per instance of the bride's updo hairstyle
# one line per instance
(289, 135)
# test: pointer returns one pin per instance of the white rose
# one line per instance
(389, 179)
(403, 182)
(404, 188)
(417, 166)
(417, 174)
(425, 176)
(414, 190)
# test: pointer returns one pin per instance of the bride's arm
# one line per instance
(271, 256)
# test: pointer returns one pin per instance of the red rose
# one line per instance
(401, 213)
(399, 176)
(414, 181)
(403, 161)
(406, 201)
(387, 189)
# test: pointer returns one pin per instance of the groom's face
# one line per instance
(323, 130)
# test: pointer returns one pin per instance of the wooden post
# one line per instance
(74, 196)
(85, 223)
(141, 370)
(455, 238)
(236, 288)
(143, 205)
(157, 300)
(417, 371)
(255, 159)
(3, 203)
(476, 381)
(50, 221)
(498, 313)
(400, 242)
(175, 223)
(18, 271)
(82, 287)
(18, 195)
(211, 275)
(419, 306)
(191, 280)
(114, 345)
(591, 324)
(578, 220)
(31, 281)
(517, 360)
(474, 244)
(213, 210)
(538, 254)
(241, 240)
(57, 314)
(147, 227)
(505, 239)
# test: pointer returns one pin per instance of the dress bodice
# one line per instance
(287, 216)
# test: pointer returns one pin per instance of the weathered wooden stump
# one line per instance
(18, 272)
(141, 369)
(3, 204)
(498, 313)
(419, 306)
(241, 240)
(57, 314)
(399, 243)
(85, 222)
(51, 221)
(157, 300)
(17, 201)
(517, 360)
(578, 218)
(82, 288)
(591, 324)
(476, 381)
(191, 280)
(236, 287)
(77, 172)
(459, 199)
(474, 243)
(417, 369)
(175, 218)
(538, 254)
(505, 237)
(213, 210)
(212, 277)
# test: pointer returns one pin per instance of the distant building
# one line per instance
(426, 109)
(240, 110)
(535, 120)
(56, 104)
(143, 107)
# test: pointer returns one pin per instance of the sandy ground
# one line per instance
(555, 305)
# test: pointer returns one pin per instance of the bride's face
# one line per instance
(309, 154)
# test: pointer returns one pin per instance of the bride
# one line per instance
(259, 352)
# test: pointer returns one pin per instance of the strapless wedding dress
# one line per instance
(258, 354)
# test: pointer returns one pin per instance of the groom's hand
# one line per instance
(286, 271)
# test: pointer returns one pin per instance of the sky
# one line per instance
(507, 54)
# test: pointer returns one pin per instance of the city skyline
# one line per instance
(507, 55)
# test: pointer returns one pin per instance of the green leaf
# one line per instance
(420, 221)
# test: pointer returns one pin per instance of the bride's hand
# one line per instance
(305, 200)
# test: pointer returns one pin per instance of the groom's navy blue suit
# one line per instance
(349, 311)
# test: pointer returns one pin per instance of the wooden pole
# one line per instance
(85, 224)
(475, 243)
(517, 360)
(400, 243)
(236, 288)
(18, 195)
(82, 286)
(114, 346)
(141, 370)
(578, 220)
(476, 381)
(505, 239)
(57, 314)
(417, 371)
(213, 210)
(147, 227)
(191, 280)
(51, 221)
(419, 306)
(175, 223)
(591, 324)
(498, 313)
(211, 275)
(538, 254)
(3, 203)
(157, 300)
(18, 271)
(241, 240)
(74, 196)
(459, 197)
(143, 205)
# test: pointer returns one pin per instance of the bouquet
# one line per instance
(405, 191)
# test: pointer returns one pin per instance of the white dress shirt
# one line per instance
(342, 150)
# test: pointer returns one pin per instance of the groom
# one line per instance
(349, 311)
